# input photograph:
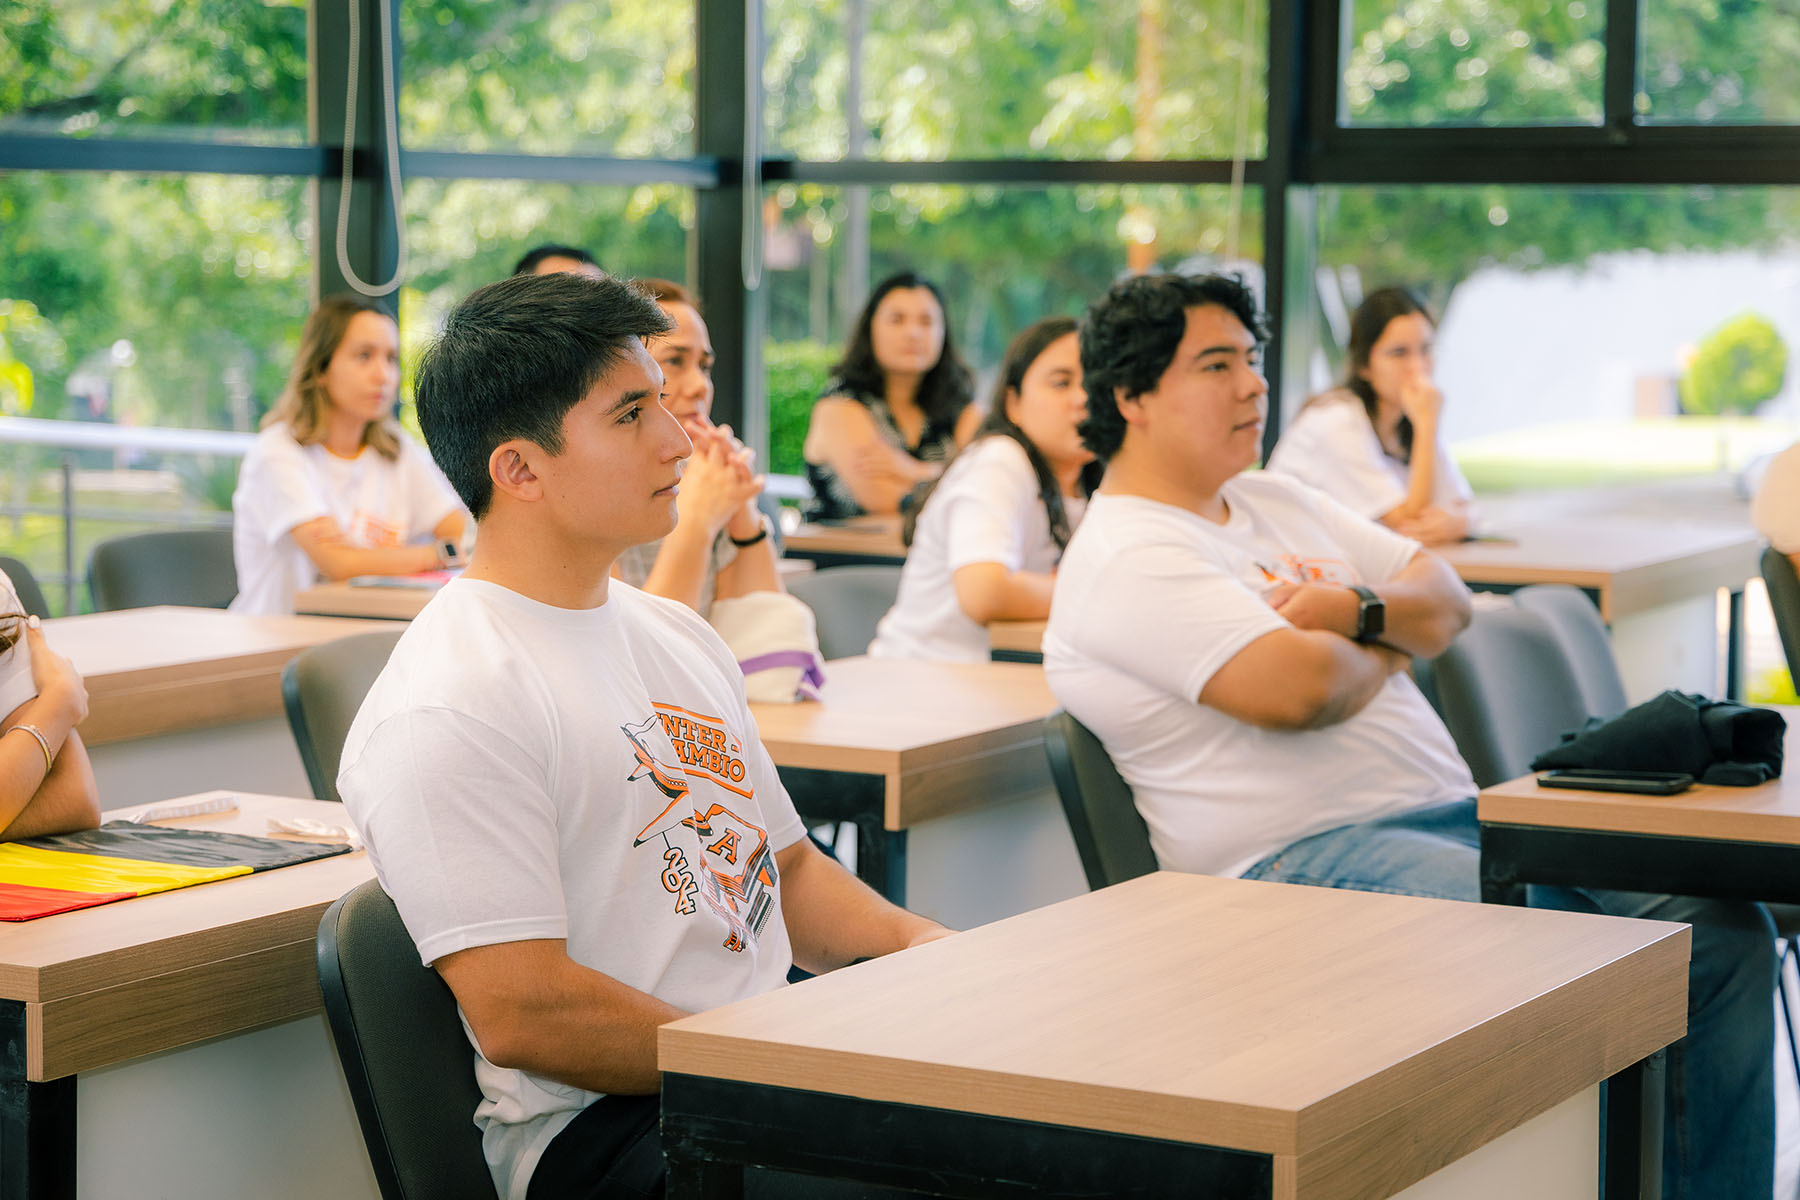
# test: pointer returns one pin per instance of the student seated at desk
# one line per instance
(333, 487)
(897, 406)
(1374, 443)
(1239, 643)
(1776, 509)
(46, 783)
(984, 541)
(720, 547)
(558, 776)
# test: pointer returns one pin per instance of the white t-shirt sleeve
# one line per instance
(1776, 510)
(1200, 615)
(462, 829)
(989, 505)
(16, 686)
(1375, 552)
(280, 490)
(1331, 446)
(429, 494)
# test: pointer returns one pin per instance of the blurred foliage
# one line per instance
(797, 373)
(1735, 368)
(1773, 686)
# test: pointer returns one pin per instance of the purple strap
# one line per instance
(811, 677)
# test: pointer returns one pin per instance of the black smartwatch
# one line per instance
(1371, 614)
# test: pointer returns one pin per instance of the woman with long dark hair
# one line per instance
(986, 538)
(896, 408)
(333, 487)
(1374, 443)
(46, 782)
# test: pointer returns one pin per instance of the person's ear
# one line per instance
(1131, 408)
(1010, 404)
(510, 470)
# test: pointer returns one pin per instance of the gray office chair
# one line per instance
(1110, 834)
(848, 603)
(410, 1068)
(31, 596)
(178, 566)
(1784, 599)
(1584, 639)
(1508, 692)
(322, 687)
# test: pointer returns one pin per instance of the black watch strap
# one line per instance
(1371, 614)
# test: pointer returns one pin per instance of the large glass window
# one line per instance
(566, 77)
(1586, 335)
(1068, 79)
(1473, 62)
(226, 70)
(1719, 63)
(1004, 257)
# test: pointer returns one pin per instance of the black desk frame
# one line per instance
(821, 796)
(37, 1121)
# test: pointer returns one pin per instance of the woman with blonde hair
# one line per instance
(46, 782)
(333, 487)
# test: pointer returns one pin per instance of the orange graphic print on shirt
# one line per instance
(1293, 568)
(736, 872)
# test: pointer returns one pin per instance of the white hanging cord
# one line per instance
(391, 115)
(750, 265)
(1241, 143)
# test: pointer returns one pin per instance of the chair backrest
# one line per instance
(848, 602)
(178, 566)
(1110, 834)
(1508, 692)
(26, 584)
(1784, 599)
(1584, 638)
(322, 687)
(409, 1065)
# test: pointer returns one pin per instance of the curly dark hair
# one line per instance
(945, 390)
(1129, 336)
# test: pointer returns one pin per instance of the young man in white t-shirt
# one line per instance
(1238, 642)
(558, 776)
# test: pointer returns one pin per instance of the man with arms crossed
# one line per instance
(557, 775)
(1239, 643)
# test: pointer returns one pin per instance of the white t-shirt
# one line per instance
(1152, 599)
(521, 771)
(987, 509)
(377, 502)
(1332, 446)
(1776, 510)
(16, 686)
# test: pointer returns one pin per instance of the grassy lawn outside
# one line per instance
(1579, 454)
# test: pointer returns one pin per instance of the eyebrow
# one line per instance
(1200, 354)
(635, 396)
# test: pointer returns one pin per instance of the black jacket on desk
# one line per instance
(1715, 741)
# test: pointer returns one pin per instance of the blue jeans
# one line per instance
(1719, 1119)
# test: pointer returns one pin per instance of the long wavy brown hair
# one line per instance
(304, 403)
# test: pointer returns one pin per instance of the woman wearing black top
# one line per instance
(897, 406)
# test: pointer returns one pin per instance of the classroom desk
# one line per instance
(402, 603)
(942, 769)
(174, 1045)
(1726, 842)
(1654, 583)
(853, 542)
(1016, 641)
(183, 699)
(1184, 1034)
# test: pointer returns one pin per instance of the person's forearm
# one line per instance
(451, 528)
(1359, 674)
(1427, 606)
(680, 569)
(66, 800)
(834, 919)
(338, 562)
(755, 569)
(989, 592)
(1421, 472)
(878, 493)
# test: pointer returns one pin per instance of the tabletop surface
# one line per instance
(1768, 813)
(1285, 1020)
(870, 535)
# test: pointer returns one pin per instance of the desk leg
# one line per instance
(695, 1178)
(1734, 646)
(1631, 1158)
(821, 795)
(37, 1122)
(1499, 878)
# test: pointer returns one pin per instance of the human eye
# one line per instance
(630, 415)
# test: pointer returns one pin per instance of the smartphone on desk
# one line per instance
(1595, 779)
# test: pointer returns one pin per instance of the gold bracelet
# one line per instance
(42, 741)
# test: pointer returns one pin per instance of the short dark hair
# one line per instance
(514, 357)
(1129, 336)
(537, 254)
(946, 388)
